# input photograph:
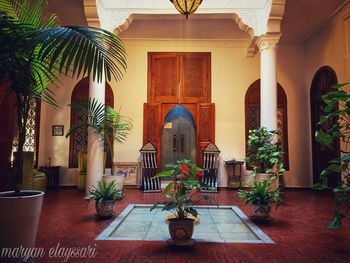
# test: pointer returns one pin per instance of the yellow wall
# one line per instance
(330, 46)
(232, 74)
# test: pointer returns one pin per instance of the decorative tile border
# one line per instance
(262, 237)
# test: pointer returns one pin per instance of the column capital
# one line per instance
(267, 42)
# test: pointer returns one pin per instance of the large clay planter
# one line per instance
(119, 178)
(181, 231)
(261, 211)
(19, 219)
(105, 209)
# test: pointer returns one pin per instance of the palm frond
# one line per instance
(83, 50)
(29, 12)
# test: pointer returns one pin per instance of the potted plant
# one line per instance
(186, 181)
(261, 196)
(264, 154)
(105, 196)
(109, 124)
(34, 50)
(329, 132)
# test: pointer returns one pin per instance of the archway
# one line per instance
(178, 136)
(321, 84)
(78, 140)
(252, 115)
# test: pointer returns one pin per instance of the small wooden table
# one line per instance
(234, 176)
(52, 173)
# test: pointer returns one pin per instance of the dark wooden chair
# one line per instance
(211, 167)
(149, 169)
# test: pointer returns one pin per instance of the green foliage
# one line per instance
(334, 127)
(106, 122)
(34, 50)
(186, 181)
(263, 154)
(105, 193)
(261, 193)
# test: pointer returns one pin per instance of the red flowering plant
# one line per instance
(186, 181)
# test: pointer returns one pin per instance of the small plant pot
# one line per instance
(105, 209)
(181, 231)
(261, 211)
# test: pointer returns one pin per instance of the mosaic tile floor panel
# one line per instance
(217, 224)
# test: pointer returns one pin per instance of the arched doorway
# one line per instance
(178, 136)
(78, 140)
(321, 84)
(252, 115)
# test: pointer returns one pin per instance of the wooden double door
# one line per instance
(179, 117)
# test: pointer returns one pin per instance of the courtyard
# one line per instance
(298, 229)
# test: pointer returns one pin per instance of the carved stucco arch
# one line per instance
(250, 15)
(256, 21)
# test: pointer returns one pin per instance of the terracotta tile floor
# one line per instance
(298, 229)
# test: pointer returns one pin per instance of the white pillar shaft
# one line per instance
(268, 89)
(95, 147)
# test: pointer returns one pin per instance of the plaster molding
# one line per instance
(267, 42)
(276, 15)
(249, 14)
(90, 10)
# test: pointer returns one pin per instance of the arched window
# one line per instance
(252, 115)
(78, 140)
(31, 143)
(321, 84)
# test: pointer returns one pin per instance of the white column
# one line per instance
(268, 89)
(95, 147)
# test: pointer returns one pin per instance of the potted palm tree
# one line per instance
(108, 124)
(186, 181)
(34, 50)
(105, 196)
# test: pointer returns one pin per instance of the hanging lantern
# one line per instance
(186, 7)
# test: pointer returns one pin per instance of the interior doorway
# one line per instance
(178, 136)
(322, 82)
(174, 79)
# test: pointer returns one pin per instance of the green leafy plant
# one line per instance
(261, 193)
(329, 133)
(264, 155)
(106, 122)
(105, 192)
(186, 181)
(34, 50)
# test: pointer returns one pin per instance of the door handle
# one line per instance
(174, 143)
(182, 142)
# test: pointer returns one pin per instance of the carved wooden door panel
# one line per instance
(195, 77)
(179, 77)
(206, 127)
(163, 77)
(152, 125)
